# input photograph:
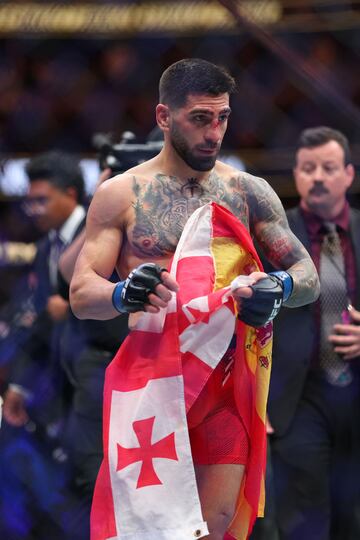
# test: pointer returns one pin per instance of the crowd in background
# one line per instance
(60, 94)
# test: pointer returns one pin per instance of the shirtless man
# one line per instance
(138, 217)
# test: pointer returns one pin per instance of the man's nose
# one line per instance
(214, 132)
(318, 173)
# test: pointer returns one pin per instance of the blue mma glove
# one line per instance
(268, 296)
(131, 295)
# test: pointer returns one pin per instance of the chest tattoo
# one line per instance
(192, 188)
(163, 205)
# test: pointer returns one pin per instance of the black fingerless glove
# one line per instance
(267, 298)
(132, 294)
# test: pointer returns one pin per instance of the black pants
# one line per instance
(84, 429)
(316, 464)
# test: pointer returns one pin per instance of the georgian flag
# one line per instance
(146, 488)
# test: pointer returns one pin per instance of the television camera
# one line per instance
(127, 153)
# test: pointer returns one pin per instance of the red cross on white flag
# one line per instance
(146, 452)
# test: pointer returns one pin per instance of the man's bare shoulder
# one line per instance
(112, 199)
(226, 170)
(124, 188)
(247, 182)
(255, 185)
(124, 182)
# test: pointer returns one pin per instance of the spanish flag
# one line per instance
(146, 487)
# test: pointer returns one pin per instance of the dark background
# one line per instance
(58, 87)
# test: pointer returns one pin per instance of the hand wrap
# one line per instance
(132, 294)
(268, 296)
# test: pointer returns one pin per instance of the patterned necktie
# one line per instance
(56, 249)
(333, 301)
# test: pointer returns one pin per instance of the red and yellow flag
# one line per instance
(146, 487)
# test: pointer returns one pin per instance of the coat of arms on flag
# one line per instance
(146, 488)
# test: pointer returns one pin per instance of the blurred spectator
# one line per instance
(88, 346)
(33, 412)
(69, 89)
(314, 400)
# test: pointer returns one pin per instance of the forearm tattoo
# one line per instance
(279, 244)
(306, 283)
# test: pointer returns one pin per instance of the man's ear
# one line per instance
(350, 174)
(162, 116)
(71, 192)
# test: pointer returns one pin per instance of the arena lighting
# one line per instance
(171, 16)
(14, 182)
(16, 254)
(149, 17)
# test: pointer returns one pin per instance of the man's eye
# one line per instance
(223, 118)
(199, 118)
(42, 200)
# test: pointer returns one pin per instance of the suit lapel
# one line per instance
(297, 225)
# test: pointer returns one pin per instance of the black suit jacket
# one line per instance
(88, 346)
(294, 335)
(35, 364)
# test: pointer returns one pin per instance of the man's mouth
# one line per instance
(208, 151)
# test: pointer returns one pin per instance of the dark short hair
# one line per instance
(193, 76)
(60, 169)
(317, 136)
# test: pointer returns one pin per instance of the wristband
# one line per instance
(287, 282)
(116, 298)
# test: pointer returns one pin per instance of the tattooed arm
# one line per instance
(90, 288)
(91, 292)
(284, 251)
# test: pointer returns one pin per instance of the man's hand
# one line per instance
(57, 307)
(259, 302)
(346, 337)
(14, 410)
(147, 288)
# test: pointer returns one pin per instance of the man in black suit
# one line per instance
(314, 402)
(88, 347)
(35, 393)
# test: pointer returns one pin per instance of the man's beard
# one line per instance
(197, 163)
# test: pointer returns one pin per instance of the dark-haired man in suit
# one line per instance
(314, 402)
(34, 397)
